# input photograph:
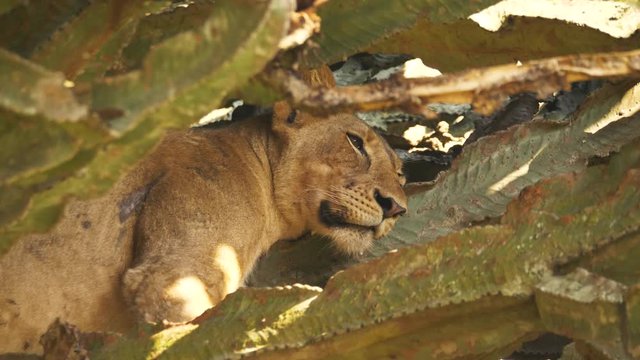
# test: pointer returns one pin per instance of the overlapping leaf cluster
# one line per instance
(542, 267)
(90, 86)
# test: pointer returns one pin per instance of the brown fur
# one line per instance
(184, 229)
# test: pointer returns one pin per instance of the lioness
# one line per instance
(186, 226)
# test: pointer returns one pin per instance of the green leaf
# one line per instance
(157, 27)
(458, 45)
(263, 312)
(582, 306)
(94, 38)
(632, 300)
(30, 89)
(28, 24)
(468, 294)
(196, 62)
(492, 171)
(38, 155)
(350, 26)
(245, 309)
(616, 262)
(29, 146)
(618, 19)
(8, 5)
(176, 102)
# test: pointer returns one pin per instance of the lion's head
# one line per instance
(339, 176)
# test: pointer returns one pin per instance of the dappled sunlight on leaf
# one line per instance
(619, 19)
(515, 175)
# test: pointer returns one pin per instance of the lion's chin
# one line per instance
(352, 240)
(356, 239)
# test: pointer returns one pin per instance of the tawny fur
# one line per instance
(186, 226)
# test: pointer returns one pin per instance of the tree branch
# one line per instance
(484, 88)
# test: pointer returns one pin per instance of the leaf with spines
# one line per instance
(194, 62)
(30, 89)
(27, 25)
(412, 302)
(583, 306)
(174, 91)
(7, 5)
(491, 172)
(462, 43)
(92, 40)
(157, 27)
(501, 162)
(632, 299)
(350, 26)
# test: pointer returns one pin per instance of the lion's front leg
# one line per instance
(188, 252)
(171, 291)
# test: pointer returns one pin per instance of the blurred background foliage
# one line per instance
(531, 225)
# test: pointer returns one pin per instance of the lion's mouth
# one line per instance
(334, 218)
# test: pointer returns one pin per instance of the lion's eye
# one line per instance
(357, 143)
(403, 178)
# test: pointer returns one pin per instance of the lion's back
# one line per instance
(77, 265)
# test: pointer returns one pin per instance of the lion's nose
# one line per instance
(390, 207)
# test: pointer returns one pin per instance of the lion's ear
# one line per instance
(286, 118)
(283, 112)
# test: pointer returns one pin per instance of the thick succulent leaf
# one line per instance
(632, 300)
(496, 317)
(245, 315)
(25, 25)
(249, 309)
(462, 44)
(619, 19)
(7, 5)
(40, 155)
(430, 334)
(583, 306)
(402, 303)
(196, 62)
(154, 28)
(108, 54)
(31, 147)
(441, 35)
(30, 89)
(617, 262)
(350, 26)
(96, 35)
(492, 171)
(101, 161)
(285, 264)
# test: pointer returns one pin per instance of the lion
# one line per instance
(186, 226)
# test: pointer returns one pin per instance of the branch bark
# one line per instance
(485, 88)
